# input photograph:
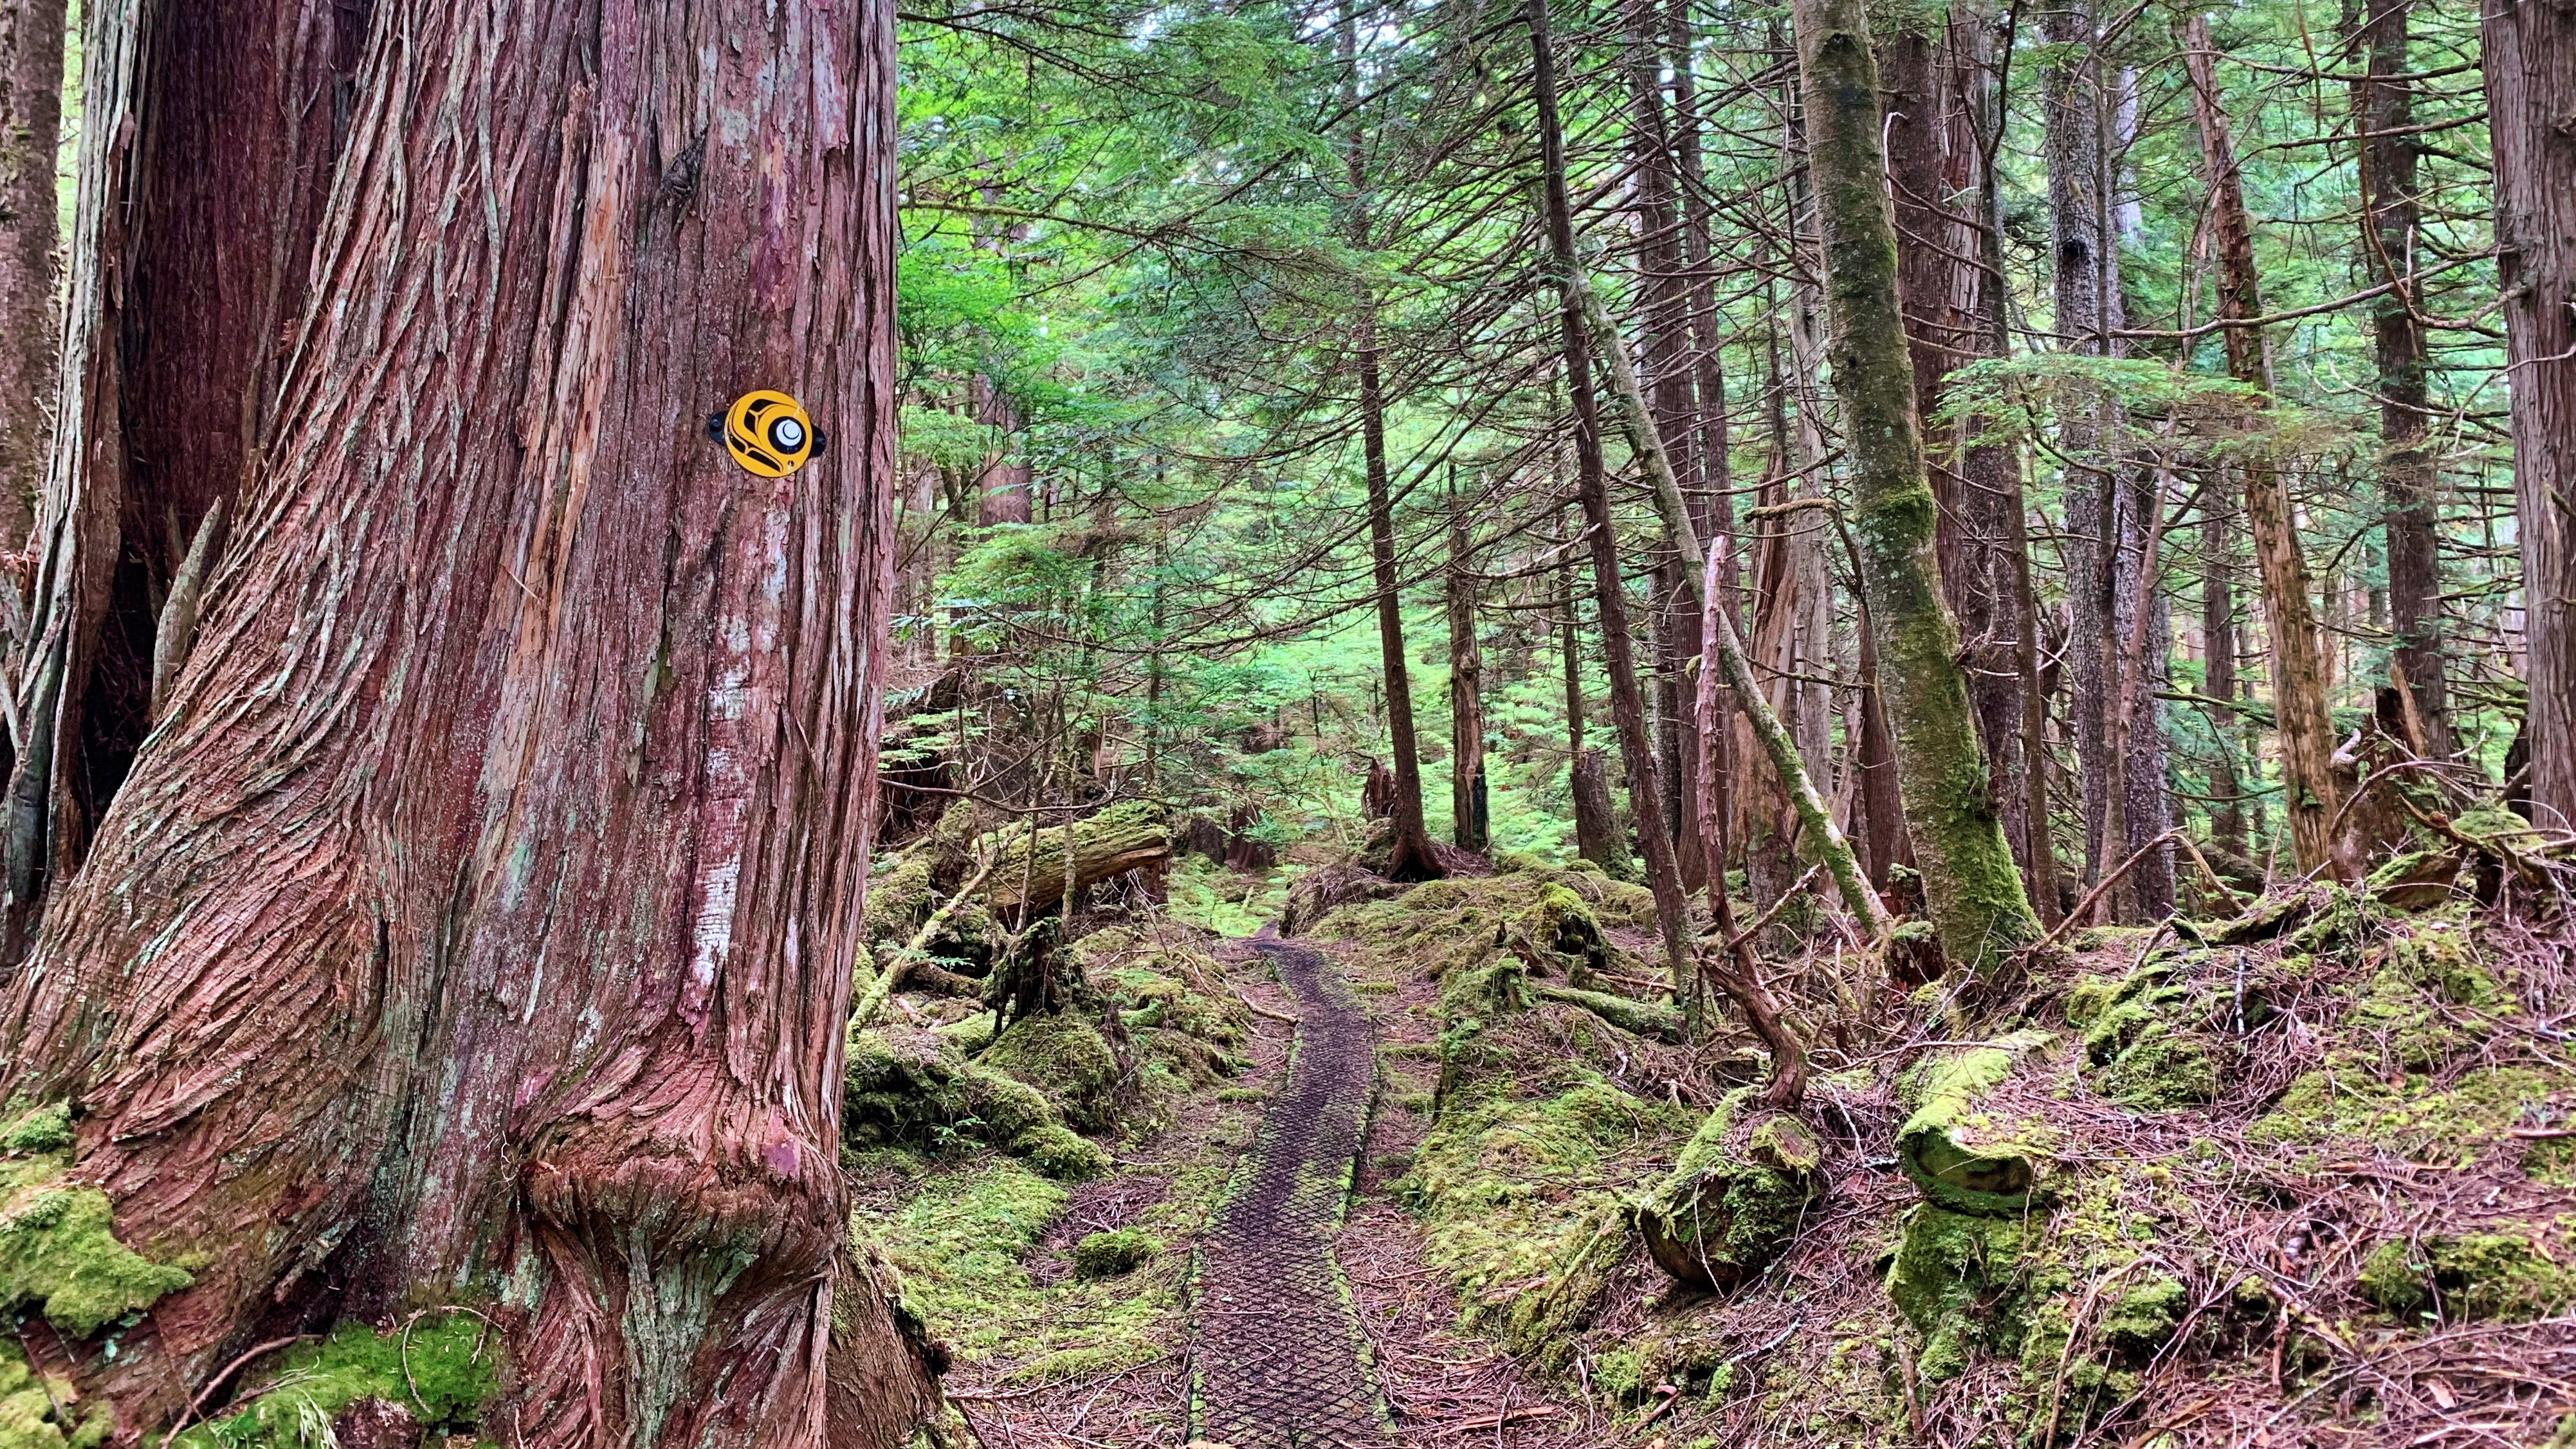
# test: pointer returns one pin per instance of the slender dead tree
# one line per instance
(1467, 804)
(1618, 651)
(1971, 885)
(479, 921)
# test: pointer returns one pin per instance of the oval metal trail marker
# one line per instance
(767, 432)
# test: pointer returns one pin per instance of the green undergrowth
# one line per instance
(441, 1372)
(1150, 1024)
(963, 1237)
(1555, 922)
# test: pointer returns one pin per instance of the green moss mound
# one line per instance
(1109, 1254)
(59, 1253)
(1067, 1060)
(441, 1372)
(2475, 1277)
(1966, 1153)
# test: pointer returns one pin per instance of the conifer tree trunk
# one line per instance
(478, 923)
(2218, 639)
(2530, 65)
(1974, 891)
(2383, 109)
(1627, 703)
(1411, 857)
(2298, 665)
(1466, 685)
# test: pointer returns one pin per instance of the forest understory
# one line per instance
(2305, 1175)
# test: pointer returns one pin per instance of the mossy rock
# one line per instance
(1066, 1059)
(2475, 1277)
(1060, 1153)
(1957, 1148)
(1106, 1255)
(2145, 1041)
(1743, 1184)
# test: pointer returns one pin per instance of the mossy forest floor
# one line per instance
(2305, 1179)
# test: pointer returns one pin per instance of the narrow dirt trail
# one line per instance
(1279, 1359)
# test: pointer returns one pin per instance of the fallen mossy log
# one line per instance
(1736, 1196)
(1122, 838)
(1645, 1018)
(1966, 1152)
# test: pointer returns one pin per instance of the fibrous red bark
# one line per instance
(2530, 66)
(480, 920)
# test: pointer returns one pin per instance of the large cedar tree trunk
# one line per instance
(2530, 55)
(479, 922)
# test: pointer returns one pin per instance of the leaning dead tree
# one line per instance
(477, 921)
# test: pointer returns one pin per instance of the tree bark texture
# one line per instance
(1974, 891)
(2530, 64)
(2298, 663)
(1467, 802)
(31, 110)
(2383, 109)
(481, 919)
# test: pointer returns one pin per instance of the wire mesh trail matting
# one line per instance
(1280, 1362)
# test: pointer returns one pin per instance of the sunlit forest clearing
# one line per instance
(1243, 725)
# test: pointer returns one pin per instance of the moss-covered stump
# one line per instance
(1735, 1198)
(1967, 1152)
(1956, 1278)
(1560, 931)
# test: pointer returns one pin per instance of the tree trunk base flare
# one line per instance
(1958, 1145)
(477, 927)
(1735, 1197)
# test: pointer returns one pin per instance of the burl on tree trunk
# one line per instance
(477, 926)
